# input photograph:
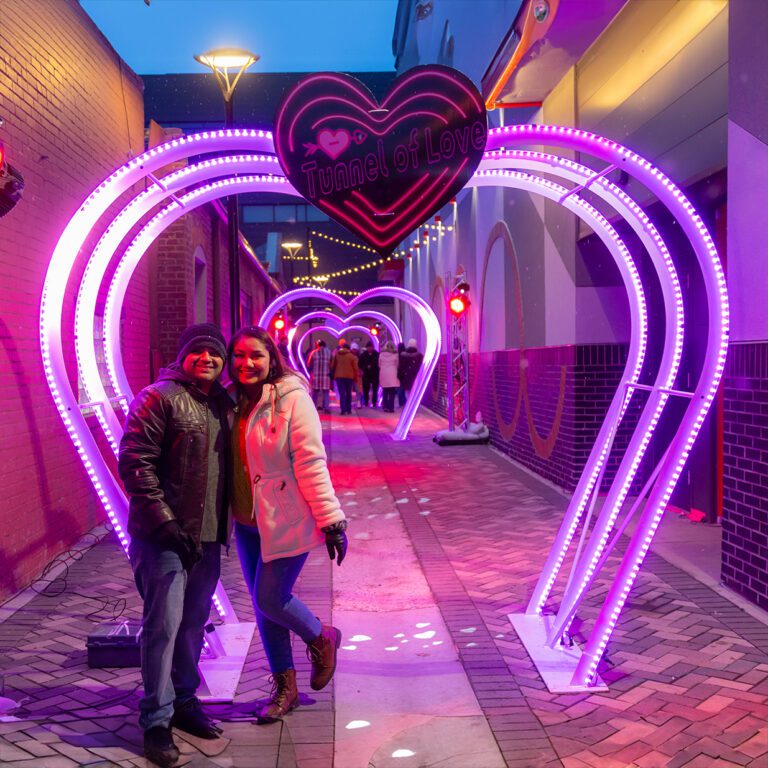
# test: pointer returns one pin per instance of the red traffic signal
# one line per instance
(458, 302)
(279, 322)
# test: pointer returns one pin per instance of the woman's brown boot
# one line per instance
(322, 653)
(284, 697)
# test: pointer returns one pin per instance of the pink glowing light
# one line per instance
(422, 309)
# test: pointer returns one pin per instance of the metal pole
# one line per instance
(233, 226)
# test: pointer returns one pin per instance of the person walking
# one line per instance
(319, 364)
(284, 506)
(369, 368)
(400, 388)
(388, 362)
(409, 364)
(175, 465)
(345, 372)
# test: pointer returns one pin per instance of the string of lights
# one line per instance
(340, 272)
(339, 241)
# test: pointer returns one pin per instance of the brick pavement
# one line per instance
(687, 669)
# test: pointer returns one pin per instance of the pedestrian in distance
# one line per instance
(175, 465)
(400, 387)
(369, 370)
(357, 387)
(408, 367)
(345, 372)
(388, 362)
(319, 365)
(284, 506)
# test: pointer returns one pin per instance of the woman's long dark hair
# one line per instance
(278, 368)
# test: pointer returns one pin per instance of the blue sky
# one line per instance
(290, 35)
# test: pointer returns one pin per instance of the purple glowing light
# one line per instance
(422, 309)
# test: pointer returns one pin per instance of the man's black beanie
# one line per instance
(201, 334)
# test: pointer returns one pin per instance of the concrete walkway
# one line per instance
(444, 543)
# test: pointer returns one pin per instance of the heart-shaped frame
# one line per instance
(432, 342)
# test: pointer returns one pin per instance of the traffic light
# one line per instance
(374, 330)
(280, 322)
(459, 302)
(11, 184)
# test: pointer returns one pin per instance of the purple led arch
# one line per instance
(712, 369)
(337, 332)
(329, 317)
(425, 313)
(86, 218)
(665, 377)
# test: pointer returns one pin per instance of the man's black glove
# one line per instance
(336, 540)
(173, 537)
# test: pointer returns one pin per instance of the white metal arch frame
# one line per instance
(237, 141)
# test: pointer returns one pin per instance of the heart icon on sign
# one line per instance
(333, 143)
(381, 169)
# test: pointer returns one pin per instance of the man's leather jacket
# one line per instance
(163, 459)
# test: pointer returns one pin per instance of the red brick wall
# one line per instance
(72, 113)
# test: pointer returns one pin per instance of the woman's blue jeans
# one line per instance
(177, 606)
(277, 610)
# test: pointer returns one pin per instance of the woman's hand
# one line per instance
(336, 540)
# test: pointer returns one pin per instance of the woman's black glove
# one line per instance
(336, 540)
(173, 537)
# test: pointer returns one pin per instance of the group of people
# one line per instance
(393, 369)
(198, 460)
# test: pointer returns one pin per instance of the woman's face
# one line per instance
(250, 361)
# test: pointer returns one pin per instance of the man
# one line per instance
(319, 364)
(174, 464)
(369, 367)
(346, 373)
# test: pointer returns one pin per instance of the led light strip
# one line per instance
(146, 236)
(425, 313)
(339, 241)
(651, 413)
(98, 263)
(711, 373)
(60, 267)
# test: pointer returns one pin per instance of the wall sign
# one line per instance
(381, 170)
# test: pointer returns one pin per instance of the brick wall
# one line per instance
(745, 482)
(550, 424)
(72, 111)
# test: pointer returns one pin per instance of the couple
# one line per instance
(193, 457)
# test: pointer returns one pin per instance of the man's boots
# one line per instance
(284, 697)
(322, 653)
(159, 747)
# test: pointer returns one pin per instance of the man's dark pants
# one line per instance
(370, 384)
(177, 606)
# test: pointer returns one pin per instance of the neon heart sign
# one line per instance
(381, 170)
(433, 335)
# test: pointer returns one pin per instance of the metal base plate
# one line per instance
(220, 676)
(555, 665)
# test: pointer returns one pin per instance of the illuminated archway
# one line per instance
(506, 152)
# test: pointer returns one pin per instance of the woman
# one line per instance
(388, 361)
(284, 506)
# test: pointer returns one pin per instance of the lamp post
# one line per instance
(293, 247)
(222, 62)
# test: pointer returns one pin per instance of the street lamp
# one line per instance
(293, 247)
(222, 62)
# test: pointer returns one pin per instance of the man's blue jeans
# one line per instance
(177, 606)
(277, 610)
(345, 394)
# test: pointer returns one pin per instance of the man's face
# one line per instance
(204, 365)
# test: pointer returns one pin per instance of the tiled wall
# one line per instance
(550, 423)
(745, 482)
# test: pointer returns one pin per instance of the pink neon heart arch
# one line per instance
(336, 332)
(433, 335)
